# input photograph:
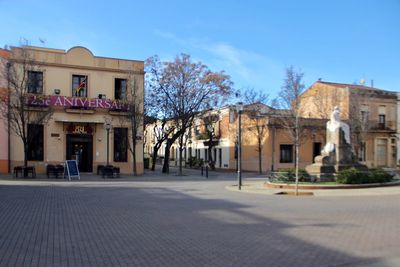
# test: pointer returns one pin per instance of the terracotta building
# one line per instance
(89, 98)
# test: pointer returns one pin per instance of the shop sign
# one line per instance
(76, 102)
(79, 129)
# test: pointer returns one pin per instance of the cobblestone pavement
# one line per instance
(189, 221)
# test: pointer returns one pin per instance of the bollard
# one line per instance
(206, 171)
(201, 170)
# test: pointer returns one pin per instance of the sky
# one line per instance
(253, 41)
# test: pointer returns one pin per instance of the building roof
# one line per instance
(353, 86)
(4, 53)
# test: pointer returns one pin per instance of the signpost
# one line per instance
(72, 169)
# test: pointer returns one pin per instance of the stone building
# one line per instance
(370, 112)
(89, 97)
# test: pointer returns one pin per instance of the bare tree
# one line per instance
(257, 111)
(183, 89)
(289, 99)
(210, 120)
(24, 106)
(161, 130)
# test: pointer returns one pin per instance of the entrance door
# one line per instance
(316, 151)
(381, 152)
(79, 148)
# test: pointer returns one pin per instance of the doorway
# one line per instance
(316, 151)
(79, 148)
(381, 153)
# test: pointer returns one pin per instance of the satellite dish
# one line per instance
(362, 81)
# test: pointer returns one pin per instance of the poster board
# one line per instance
(72, 169)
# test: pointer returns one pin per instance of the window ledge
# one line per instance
(118, 113)
(80, 111)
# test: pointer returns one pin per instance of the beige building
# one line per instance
(89, 97)
(370, 112)
(264, 140)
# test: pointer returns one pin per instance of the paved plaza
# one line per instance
(172, 220)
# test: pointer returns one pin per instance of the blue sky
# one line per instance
(253, 41)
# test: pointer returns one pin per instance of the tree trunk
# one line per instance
(134, 156)
(154, 157)
(165, 168)
(297, 162)
(259, 156)
(180, 159)
(210, 157)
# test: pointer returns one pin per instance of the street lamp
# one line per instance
(108, 127)
(239, 108)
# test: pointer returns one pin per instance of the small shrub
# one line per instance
(380, 176)
(290, 175)
(354, 176)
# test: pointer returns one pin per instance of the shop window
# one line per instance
(286, 155)
(120, 144)
(35, 142)
(35, 82)
(80, 85)
(120, 89)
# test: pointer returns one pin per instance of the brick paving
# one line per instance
(189, 221)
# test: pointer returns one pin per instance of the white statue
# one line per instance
(332, 127)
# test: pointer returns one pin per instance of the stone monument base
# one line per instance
(326, 167)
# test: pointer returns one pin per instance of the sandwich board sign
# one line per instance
(71, 169)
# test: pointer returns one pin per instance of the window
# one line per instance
(120, 89)
(381, 122)
(231, 116)
(362, 152)
(364, 117)
(35, 142)
(121, 144)
(286, 154)
(35, 82)
(80, 85)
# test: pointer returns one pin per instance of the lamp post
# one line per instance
(239, 108)
(108, 127)
(8, 66)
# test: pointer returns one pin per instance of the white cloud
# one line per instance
(247, 68)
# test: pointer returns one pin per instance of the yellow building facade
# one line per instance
(87, 96)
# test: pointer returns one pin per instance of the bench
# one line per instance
(56, 170)
(110, 171)
(25, 171)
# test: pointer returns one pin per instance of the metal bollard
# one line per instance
(206, 171)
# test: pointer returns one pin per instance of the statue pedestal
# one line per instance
(328, 164)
